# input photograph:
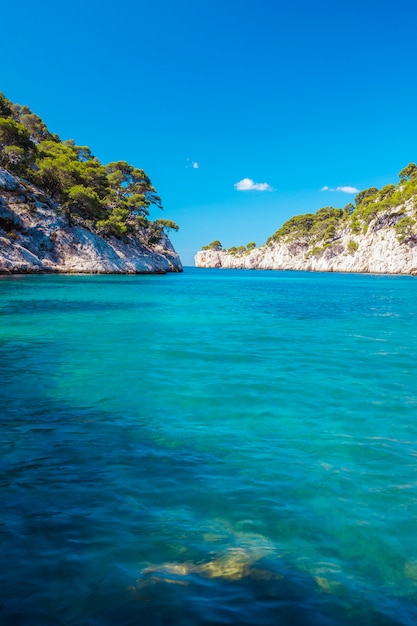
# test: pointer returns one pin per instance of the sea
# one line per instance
(212, 447)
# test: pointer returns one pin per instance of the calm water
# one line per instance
(217, 447)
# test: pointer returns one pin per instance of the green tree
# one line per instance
(115, 224)
(14, 135)
(5, 106)
(84, 202)
(214, 245)
(167, 225)
(115, 198)
(62, 165)
(348, 210)
(93, 174)
(366, 193)
(154, 233)
(55, 176)
(131, 188)
(36, 127)
(409, 172)
(387, 191)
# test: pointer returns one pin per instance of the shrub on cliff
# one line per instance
(214, 245)
(406, 229)
(352, 246)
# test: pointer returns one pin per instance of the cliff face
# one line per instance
(378, 250)
(35, 238)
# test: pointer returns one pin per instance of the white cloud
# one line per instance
(192, 164)
(342, 188)
(347, 189)
(247, 184)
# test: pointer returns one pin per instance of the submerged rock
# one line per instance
(241, 557)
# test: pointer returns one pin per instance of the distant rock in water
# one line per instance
(379, 235)
(35, 238)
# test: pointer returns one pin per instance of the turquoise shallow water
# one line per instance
(216, 447)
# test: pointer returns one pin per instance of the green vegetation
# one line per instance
(406, 230)
(320, 226)
(214, 245)
(111, 199)
(373, 208)
(352, 246)
(385, 206)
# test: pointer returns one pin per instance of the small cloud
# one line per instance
(347, 189)
(247, 184)
(192, 164)
(343, 189)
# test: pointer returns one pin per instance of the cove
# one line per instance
(212, 447)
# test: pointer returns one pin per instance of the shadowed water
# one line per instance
(213, 447)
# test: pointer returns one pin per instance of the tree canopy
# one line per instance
(115, 198)
(214, 245)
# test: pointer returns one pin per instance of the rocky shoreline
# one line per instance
(377, 251)
(35, 238)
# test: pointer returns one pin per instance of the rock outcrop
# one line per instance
(35, 238)
(378, 250)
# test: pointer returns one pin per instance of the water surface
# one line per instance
(213, 447)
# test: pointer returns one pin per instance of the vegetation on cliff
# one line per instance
(214, 245)
(389, 206)
(386, 204)
(217, 246)
(112, 199)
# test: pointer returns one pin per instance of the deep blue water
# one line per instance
(213, 447)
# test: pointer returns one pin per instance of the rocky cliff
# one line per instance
(35, 238)
(386, 244)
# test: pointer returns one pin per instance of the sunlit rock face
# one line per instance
(376, 251)
(34, 238)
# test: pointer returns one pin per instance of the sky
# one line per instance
(242, 113)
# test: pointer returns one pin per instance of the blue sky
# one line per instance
(288, 97)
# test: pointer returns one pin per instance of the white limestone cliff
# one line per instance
(378, 250)
(35, 238)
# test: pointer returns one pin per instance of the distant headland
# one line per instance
(377, 234)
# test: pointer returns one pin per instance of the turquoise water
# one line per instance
(216, 447)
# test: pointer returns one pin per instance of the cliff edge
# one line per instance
(35, 237)
(379, 235)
